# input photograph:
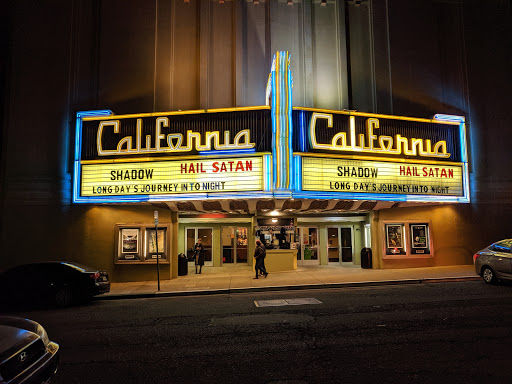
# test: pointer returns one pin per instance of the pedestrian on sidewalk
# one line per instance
(259, 254)
(199, 255)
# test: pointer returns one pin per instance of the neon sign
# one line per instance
(386, 145)
(173, 142)
(269, 151)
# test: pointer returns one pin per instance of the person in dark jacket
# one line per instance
(199, 255)
(259, 255)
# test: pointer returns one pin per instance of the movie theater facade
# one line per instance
(316, 186)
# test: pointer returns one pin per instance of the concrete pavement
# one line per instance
(235, 279)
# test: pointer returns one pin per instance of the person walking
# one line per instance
(259, 255)
(199, 255)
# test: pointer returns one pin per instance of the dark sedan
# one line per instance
(58, 283)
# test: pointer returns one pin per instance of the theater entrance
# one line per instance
(340, 242)
(308, 248)
(205, 234)
(234, 245)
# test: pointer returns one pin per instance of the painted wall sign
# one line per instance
(173, 177)
(382, 177)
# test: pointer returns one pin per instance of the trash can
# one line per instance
(182, 264)
(366, 258)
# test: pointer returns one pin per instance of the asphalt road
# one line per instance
(457, 332)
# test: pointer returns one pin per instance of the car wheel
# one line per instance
(488, 275)
(63, 297)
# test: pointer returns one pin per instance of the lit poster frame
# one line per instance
(395, 239)
(420, 238)
(129, 239)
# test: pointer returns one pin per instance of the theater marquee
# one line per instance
(269, 151)
(173, 177)
(172, 155)
(372, 177)
(355, 155)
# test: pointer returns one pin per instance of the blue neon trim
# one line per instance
(274, 113)
(464, 158)
(78, 147)
(290, 130)
(463, 142)
(302, 131)
(267, 178)
(454, 118)
(177, 197)
(227, 152)
(298, 172)
(282, 125)
(378, 197)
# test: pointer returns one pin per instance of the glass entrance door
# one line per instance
(333, 244)
(234, 245)
(308, 250)
(339, 244)
(205, 234)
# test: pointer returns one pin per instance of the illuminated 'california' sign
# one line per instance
(364, 134)
(169, 142)
(245, 130)
(373, 143)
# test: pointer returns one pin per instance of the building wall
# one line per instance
(95, 237)
(450, 230)
(396, 56)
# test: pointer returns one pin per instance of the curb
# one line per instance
(123, 296)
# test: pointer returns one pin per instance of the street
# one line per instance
(453, 332)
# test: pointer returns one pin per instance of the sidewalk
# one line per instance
(235, 279)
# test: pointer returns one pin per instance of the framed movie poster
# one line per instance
(395, 239)
(129, 244)
(130, 239)
(151, 243)
(420, 243)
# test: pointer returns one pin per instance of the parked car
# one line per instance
(26, 353)
(58, 283)
(494, 263)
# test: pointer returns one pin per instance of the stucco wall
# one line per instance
(450, 230)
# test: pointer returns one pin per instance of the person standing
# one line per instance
(259, 255)
(199, 255)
